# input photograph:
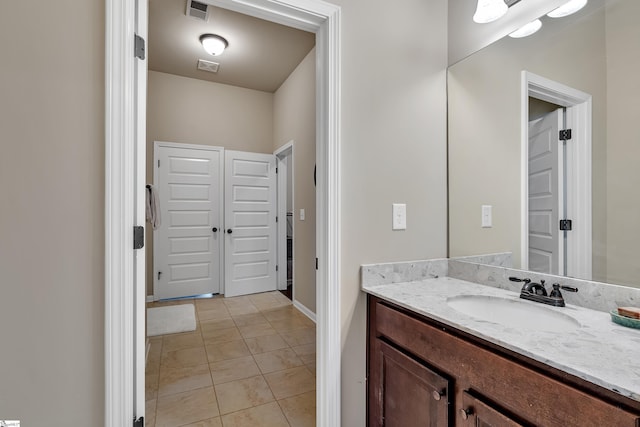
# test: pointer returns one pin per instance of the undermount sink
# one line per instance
(513, 313)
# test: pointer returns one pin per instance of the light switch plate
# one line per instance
(301, 214)
(399, 216)
(487, 216)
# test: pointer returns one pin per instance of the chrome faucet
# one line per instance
(538, 293)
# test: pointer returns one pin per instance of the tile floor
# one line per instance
(250, 362)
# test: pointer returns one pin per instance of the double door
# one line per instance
(217, 230)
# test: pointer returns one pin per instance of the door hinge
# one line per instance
(139, 422)
(138, 237)
(316, 263)
(138, 47)
(276, 219)
(276, 268)
(565, 225)
(158, 162)
(276, 170)
(565, 134)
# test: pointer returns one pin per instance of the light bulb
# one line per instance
(572, 6)
(213, 44)
(527, 30)
(489, 10)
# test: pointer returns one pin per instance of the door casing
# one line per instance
(123, 313)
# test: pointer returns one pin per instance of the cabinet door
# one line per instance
(475, 412)
(405, 392)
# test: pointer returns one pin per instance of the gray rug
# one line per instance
(171, 319)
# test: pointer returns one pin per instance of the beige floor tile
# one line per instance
(211, 422)
(188, 407)
(227, 350)
(294, 322)
(306, 353)
(209, 303)
(277, 360)
(242, 310)
(268, 415)
(311, 366)
(291, 382)
(172, 302)
(178, 380)
(234, 369)
(217, 313)
(286, 312)
(249, 319)
(252, 331)
(155, 353)
(242, 394)
(175, 342)
(150, 413)
(212, 325)
(151, 386)
(184, 358)
(221, 335)
(299, 337)
(300, 410)
(266, 343)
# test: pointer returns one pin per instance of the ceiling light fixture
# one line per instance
(527, 30)
(489, 11)
(213, 44)
(572, 6)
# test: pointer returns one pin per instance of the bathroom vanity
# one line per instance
(432, 364)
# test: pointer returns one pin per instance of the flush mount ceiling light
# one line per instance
(213, 44)
(572, 6)
(527, 30)
(489, 10)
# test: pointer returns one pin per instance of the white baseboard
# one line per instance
(150, 298)
(304, 310)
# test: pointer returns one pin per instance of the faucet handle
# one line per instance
(555, 293)
(517, 279)
(568, 288)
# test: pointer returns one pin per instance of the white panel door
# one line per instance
(545, 194)
(250, 223)
(188, 243)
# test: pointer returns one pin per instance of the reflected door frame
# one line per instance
(578, 155)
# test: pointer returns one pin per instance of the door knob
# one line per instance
(229, 231)
(464, 413)
(437, 395)
(214, 229)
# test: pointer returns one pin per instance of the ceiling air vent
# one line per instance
(209, 66)
(197, 10)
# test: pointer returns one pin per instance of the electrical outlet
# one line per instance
(487, 216)
(399, 216)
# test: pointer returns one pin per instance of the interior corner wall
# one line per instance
(392, 150)
(52, 212)
(191, 111)
(294, 106)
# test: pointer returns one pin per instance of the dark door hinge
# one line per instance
(565, 225)
(276, 219)
(139, 48)
(276, 170)
(138, 237)
(139, 422)
(565, 134)
(276, 268)
(316, 263)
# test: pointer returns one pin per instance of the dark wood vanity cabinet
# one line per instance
(421, 373)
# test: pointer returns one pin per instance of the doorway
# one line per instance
(123, 310)
(285, 161)
(576, 249)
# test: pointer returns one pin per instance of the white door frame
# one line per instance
(121, 166)
(578, 118)
(284, 170)
(166, 144)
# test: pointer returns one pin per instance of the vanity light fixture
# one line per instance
(213, 44)
(527, 29)
(572, 6)
(489, 11)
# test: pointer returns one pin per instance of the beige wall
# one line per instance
(393, 130)
(52, 212)
(190, 111)
(393, 149)
(484, 133)
(623, 134)
(295, 119)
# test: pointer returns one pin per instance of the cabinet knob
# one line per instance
(229, 231)
(437, 395)
(214, 229)
(464, 413)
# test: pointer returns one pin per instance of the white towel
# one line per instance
(153, 206)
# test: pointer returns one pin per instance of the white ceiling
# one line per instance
(260, 56)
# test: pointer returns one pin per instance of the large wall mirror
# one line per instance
(507, 105)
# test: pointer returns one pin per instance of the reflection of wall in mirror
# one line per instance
(484, 131)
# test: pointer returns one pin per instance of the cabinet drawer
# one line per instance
(534, 396)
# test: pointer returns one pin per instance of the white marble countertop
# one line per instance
(598, 351)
